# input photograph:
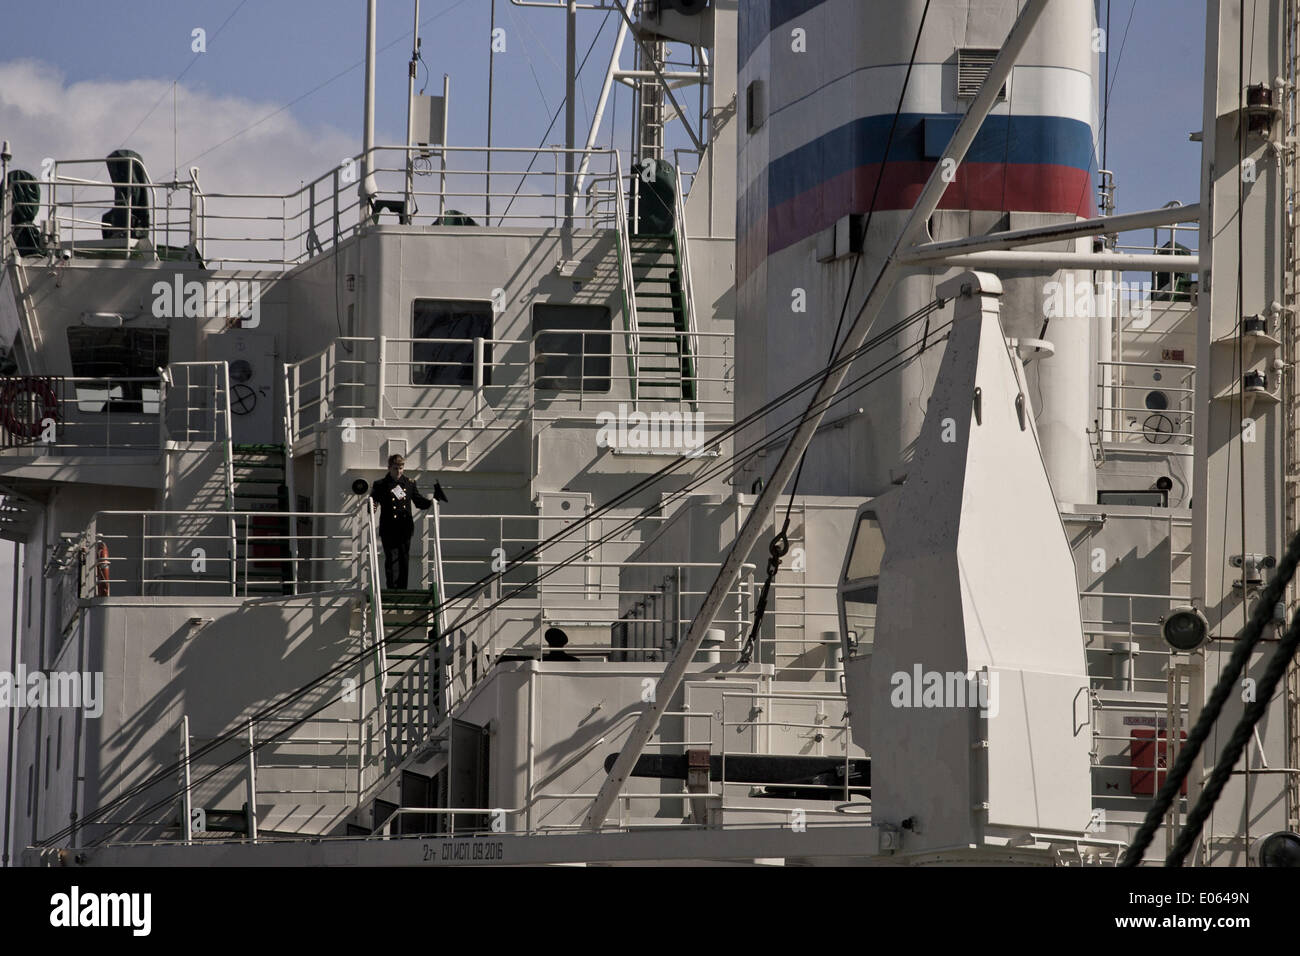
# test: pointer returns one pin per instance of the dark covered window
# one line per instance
(572, 344)
(115, 356)
(450, 362)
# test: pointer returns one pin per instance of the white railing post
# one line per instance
(383, 378)
(478, 380)
(631, 326)
(187, 827)
(290, 485)
(295, 401)
(437, 553)
(252, 784)
(690, 340)
(229, 439)
(376, 602)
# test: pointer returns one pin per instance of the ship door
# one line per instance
(464, 781)
(252, 382)
(577, 581)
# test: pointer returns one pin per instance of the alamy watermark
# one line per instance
(1071, 299)
(75, 909)
(949, 689)
(681, 432)
(235, 300)
(55, 689)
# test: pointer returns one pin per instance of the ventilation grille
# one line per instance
(973, 66)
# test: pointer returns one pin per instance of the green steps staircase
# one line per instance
(260, 485)
(409, 627)
(665, 366)
(413, 678)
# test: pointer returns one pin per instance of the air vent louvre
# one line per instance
(973, 66)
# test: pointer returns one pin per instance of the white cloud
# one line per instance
(42, 115)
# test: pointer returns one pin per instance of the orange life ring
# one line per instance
(101, 569)
(9, 396)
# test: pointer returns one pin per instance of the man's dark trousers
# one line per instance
(397, 552)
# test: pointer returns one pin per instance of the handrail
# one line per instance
(288, 475)
(627, 285)
(230, 441)
(289, 228)
(376, 602)
(680, 241)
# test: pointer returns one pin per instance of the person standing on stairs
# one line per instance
(393, 496)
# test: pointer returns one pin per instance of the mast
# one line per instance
(368, 187)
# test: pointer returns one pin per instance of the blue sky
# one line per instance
(270, 53)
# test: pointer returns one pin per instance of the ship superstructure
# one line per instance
(665, 609)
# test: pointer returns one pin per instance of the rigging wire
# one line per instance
(1237, 743)
(194, 59)
(1105, 107)
(1243, 647)
(863, 381)
(779, 546)
(236, 735)
(320, 86)
(554, 118)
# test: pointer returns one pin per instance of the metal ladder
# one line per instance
(661, 308)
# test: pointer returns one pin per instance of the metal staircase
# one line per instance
(263, 553)
(413, 680)
(664, 369)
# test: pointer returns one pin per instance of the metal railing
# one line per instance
(66, 415)
(687, 345)
(1156, 413)
(767, 723)
(1116, 628)
(627, 286)
(235, 553)
(62, 415)
(177, 219)
(84, 215)
(383, 378)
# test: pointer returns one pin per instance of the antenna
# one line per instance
(410, 111)
(368, 188)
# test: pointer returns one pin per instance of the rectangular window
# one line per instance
(572, 345)
(755, 108)
(117, 355)
(868, 550)
(458, 323)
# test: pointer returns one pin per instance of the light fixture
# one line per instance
(1277, 849)
(1184, 628)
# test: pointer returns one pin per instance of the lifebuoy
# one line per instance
(101, 569)
(40, 389)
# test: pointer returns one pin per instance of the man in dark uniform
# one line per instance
(393, 496)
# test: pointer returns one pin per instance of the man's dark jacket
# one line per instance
(395, 499)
